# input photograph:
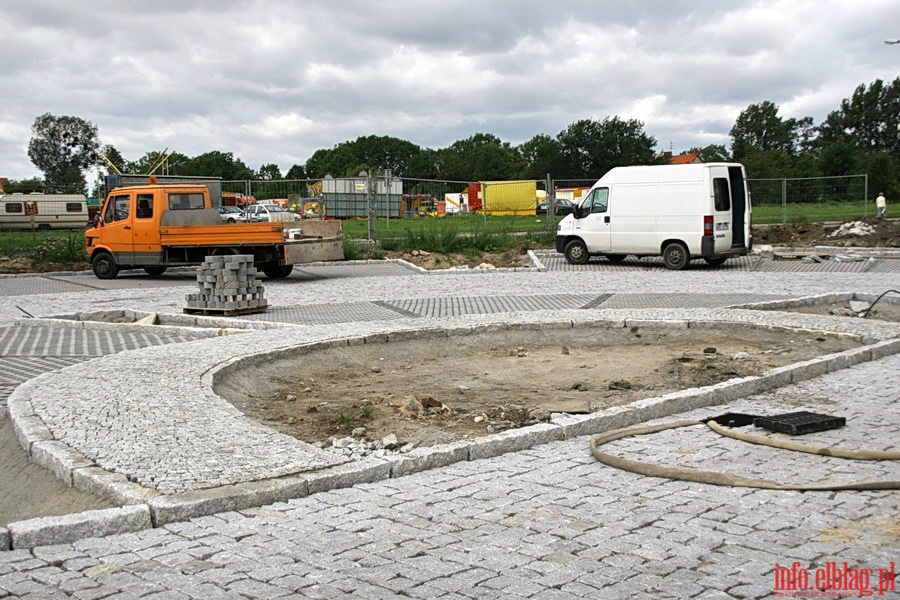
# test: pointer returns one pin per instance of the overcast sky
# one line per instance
(272, 82)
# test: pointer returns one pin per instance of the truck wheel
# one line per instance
(277, 271)
(154, 271)
(715, 262)
(616, 258)
(676, 256)
(576, 252)
(104, 266)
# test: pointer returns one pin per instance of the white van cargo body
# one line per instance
(43, 211)
(679, 212)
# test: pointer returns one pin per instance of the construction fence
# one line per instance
(385, 197)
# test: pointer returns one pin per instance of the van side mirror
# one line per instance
(579, 212)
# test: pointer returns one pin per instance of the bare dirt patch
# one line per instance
(470, 386)
(862, 233)
(30, 490)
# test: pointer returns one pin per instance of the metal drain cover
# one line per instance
(798, 423)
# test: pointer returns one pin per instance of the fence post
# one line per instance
(372, 209)
(551, 196)
(866, 196)
(387, 196)
(784, 201)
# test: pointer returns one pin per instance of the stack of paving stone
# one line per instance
(227, 285)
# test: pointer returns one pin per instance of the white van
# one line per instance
(43, 211)
(679, 212)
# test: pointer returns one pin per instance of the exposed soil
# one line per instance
(30, 490)
(463, 387)
(863, 233)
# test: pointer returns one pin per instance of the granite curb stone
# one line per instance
(45, 531)
(173, 507)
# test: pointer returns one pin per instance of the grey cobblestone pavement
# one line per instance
(536, 521)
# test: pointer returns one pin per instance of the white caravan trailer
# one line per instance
(679, 212)
(43, 211)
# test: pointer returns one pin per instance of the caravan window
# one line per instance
(185, 201)
(721, 194)
(14, 207)
(74, 207)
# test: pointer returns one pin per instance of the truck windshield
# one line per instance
(185, 201)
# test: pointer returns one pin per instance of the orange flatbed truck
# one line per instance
(153, 227)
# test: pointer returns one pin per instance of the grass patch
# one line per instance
(61, 247)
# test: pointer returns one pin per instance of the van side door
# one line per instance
(721, 209)
(592, 222)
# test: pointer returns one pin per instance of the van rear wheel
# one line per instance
(715, 262)
(616, 258)
(154, 271)
(576, 253)
(104, 266)
(675, 256)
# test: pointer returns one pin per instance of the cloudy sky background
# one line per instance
(272, 82)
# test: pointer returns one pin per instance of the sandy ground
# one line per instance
(28, 490)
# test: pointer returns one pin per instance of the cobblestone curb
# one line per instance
(144, 507)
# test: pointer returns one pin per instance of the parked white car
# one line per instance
(272, 213)
(231, 214)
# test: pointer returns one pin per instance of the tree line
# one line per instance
(861, 136)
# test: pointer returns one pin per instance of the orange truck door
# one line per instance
(145, 231)
(117, 227)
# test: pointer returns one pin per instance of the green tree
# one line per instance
(269, 172)
(542, 154)
(217, 164)
(869, 119)
(483, 157)
(883, 170)
(24, 186)
(760, 128)
(766, 164)
(296, 172)
(109, 154)
(62, 148)
(373, 152)
(590, 148)
(713, 153)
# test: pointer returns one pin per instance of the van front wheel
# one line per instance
(675, 256)
(104, 266)
(576, 252)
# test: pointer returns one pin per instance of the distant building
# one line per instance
(688, 158)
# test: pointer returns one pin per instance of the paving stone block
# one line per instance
(45, 531)
(432, 457)
(30, 430)
(347, 475)
(114, 487)
(4, 539)
(514, 440)
(59, 458)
